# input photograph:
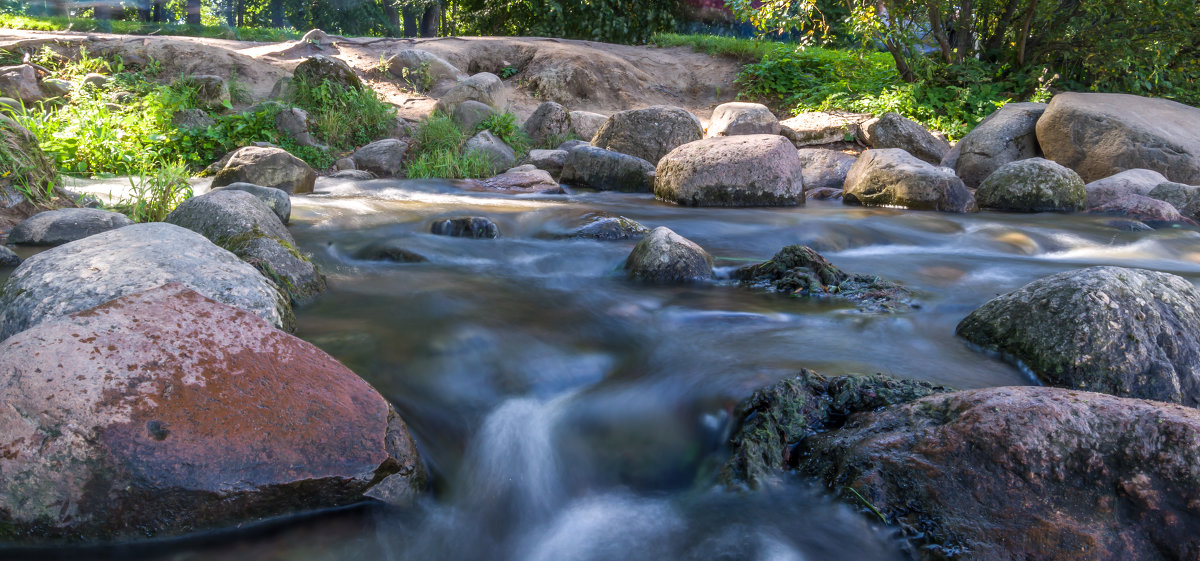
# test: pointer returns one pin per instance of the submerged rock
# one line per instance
(165, 413)
(1032, 185)
(8, 258)
(522, 179)
(1021, 473)
(389, 250)
(57, 227)
(648, 133)
(666, 257)
(466, 227)
(743, 170)
(801, 271)
(611, 228)
(1126, 332)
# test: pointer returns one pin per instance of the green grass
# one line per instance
(437, 150)
(746, 50)
(340, 116)
(60, 23)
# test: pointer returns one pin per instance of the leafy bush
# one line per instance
(504, 126)
(437, 151)
(342, 117)
(61, 23)
(612, 21)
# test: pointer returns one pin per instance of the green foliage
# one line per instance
(613, 21)
(343, 117)
(437, 152)
(62, 23)
(742, 49)
(504, 126)
(24, 166)
(508, 72)
(155, 192)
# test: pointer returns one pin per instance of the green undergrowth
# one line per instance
(342, 117)
(62, 23)
(437, 150)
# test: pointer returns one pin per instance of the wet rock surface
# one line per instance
(611, 228)
(666, 257)
(57, 227)
(165, 413)
(741, 170)
(466, 227)
(893, 177)
(801, 271)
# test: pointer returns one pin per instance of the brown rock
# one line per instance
(269, 167)
(1145, 209)
(164, 412)
(522, 179)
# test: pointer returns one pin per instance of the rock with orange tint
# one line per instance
(164, 412)
(1023, 473)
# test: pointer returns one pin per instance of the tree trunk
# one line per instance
(277, 13)
(229, 14)
(1025, 32)
(58, 8)
(102, 11)
(966, 36)
(410, 21)
(193, 12)
(157, 12)
(431, 21)
(939, 30)
(392, 11)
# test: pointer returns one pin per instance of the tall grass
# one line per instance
(62, 23)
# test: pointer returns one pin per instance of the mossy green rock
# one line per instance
(1032, 185)
(1125, 332)
(801, 271)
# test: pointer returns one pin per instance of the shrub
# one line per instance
(342, 117)
(437, 151)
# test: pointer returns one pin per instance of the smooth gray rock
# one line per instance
(54, 87)
(20, 83)
(648, 133)
(893, 177)
(495, 150)
(822, 168)
(1125, 332)
(735, 118)
(552, 161)
(384, 158)
(1102, 134)
(95, 80)
(571, 144)
(318, 68)
(818, 127)
(57, 227)
(466, 227)
(280, 261)
(192, 119)
(1129, 182)
(892, 130)
(586, 124)
(8, 258)
(1032, 185)
(485, 87)
(666, 257)
(469, 114)
(1152, 212)
(518, 180)
(352, 174)
(228, 216)
(1007, 135)
(605, 170)
(742, 170)
(549, 120)
(275, 199)
(423, 70)
(89, 272)
(266, 166)
(1185, 198)
(611, 228)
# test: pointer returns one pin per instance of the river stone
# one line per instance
(54, 87)
(648, 133)
(801, 271)
(389, 250)
(744, 170)
(1022, 473)
(822, 168)
(275, 199)
(211, 91)
(1128, 182)
(605, 170)
(819, 127)
(1185, 198)
(1126, 332)
(20, 82)
(495, 150)
(666, 257)
(423, 70)
(1153, 212)
(88, 272)
(279, 260)
(521, 180)
(8, 258)
(319, 68)
(610, 228)
(353, 174)
(772, 420)
(551, 161)
(95, 80)
(1101, 134)
(269, 167)
(227, 216)
(1007, 135)
(549, 120)
(384, 158)
(485, 87)
(1032, 185)
(734, 118)
(164, 413)
(469, 114)
(893, 177)
(466, 227)
(586, 124)
(892, 130)
(57, 227)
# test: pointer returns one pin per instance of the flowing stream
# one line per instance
(568, 413)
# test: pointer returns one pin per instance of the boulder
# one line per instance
(57, 227)
(549, 121)
(389, 250)
(345, 164)
(164, 413)
(8, 258)
(293, 122)
(1032, 185)
(466, 227)
(1007, 135)
(1102, 134)
(572, 144)
(769, 423)
(423, 70)
(800, 271)
(353, 175)
(605, 170)
(1022, 473)
(94, 80)
(20, 82)
(211, 91)
(552, 161)
(85, 273)
(1129, 182)
(743, 170)
(735, 118)
(523, 179)
(292, 272)
(485, 87)
(491, 147)
(585, 125)
(666, 257)
(819, 127)
(54, 87)
(1152, 212)
(1126, 332)
(192, 119)
(648, 133)
(893, 177)
(269, 167)
(609, 228)
(891, 130)
(227, 217)
(822, 168)
(1185, 198)
(275, 199)
(319, 68)
(384, 158)
(469, 114)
